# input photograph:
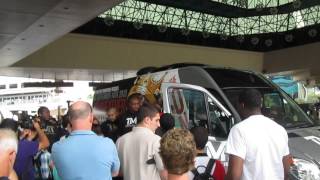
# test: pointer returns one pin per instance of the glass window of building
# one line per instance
(12, 86)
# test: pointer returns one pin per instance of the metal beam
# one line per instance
(229, 11)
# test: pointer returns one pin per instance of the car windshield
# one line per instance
(277, 105)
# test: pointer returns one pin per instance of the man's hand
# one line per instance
(287, 162)
(36, 125)
(23, 134)
(43, 139)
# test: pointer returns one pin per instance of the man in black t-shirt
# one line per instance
(49, 124)
(129, 118)
(109, 127)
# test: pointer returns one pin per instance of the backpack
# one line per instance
(206, 175)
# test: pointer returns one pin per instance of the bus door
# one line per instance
(194, 106)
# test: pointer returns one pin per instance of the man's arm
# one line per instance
(286, 160)
(163, 174)
(43, 139)
(235, 168)
(115, 174)
(116, 164)
(160, 167)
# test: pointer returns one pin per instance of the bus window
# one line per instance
(282, 111)
(188, 107)
(219, 121)
(273, 106)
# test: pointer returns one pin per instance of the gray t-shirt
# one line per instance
(139, 154)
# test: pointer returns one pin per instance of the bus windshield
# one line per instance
(277, 105)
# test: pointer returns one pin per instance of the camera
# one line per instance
(26, 122)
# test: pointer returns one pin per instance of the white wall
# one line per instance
(300, 57)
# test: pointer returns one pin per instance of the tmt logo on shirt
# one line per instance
(49, 130)
(131, 122)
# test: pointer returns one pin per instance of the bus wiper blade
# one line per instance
(299, 125)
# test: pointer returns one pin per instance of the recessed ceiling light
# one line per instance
(223, 36)
(288, 37)
(185, 31)
(138, 25)
(205, 34)
(274, 11)
(312, 32)
(240, 38)
(162, 28)
(255, 40)
(108, 20)
(268, 42)
(296, 4)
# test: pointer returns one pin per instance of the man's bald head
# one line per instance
(80, 110)
(8, 140)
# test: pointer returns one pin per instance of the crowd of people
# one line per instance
(140, 144)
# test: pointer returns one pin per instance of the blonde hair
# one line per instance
(8, 140)
(178, 150)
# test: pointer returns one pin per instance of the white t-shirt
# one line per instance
(261, 143)
(135, 149)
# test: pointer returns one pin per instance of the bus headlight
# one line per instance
(302, 169)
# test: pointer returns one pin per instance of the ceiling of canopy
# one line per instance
(257, 25)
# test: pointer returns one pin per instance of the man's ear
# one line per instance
(91, 118)
(147, 119)
(12, 156)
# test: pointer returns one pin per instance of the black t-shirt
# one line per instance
(126, 122)
(61, 132)
(110, 129)
(51, 129)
